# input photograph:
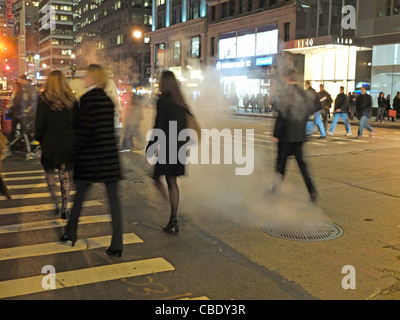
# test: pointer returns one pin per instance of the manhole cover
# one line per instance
(308, 231)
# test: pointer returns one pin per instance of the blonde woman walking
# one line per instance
(54, 131)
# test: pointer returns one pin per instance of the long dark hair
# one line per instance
(169, 87)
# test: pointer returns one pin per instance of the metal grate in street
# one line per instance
(307, 231)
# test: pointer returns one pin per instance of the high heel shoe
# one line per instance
(65, 238)
(112, 252)
(173, 225)
(64, 214)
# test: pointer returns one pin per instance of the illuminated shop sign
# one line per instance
(244, 63)
(319, 41)
(264, 61)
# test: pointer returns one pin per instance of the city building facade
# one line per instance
(112, 33)
(55, 35)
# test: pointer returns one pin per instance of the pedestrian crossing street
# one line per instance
(25, 285)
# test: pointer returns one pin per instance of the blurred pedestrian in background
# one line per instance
(295, 107)
(54, 131)
(381, 108)
(341, 112)
(352, 105)
(171, 106)
(326, 100)
(317, 115)
(364, 111)
(3, 146)
(396, 104)
(391, 112)
(96, 157)
(133, 118)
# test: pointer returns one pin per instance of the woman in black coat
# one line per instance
(96, 157)
(54, 131)
(170, 107)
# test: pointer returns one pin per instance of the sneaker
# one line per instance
(330, 133)
(322, 137)
(348, 134)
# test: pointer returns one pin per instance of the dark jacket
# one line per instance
(364, 105)
(342, 103)
(325, 98)
(382, 103)
(314, 100)
(96, 157)
(396, 104)
(168, 111)
(295, 107)
(54, 131)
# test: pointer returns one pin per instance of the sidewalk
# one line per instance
(386, 123)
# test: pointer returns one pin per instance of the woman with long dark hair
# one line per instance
(171, 107)
(54, 131)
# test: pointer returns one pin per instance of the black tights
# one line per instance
(65, 184)
(173, 194)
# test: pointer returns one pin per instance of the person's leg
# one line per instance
(116, 219)
(65, 183)
(284, 150)
(72, 227)
(298, 153)
(319, 123)
(324, 114)
(51, 184)
(173, 192)
(346, 121)
(334, 123)
(362, 124)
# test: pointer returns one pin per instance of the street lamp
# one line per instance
(137, 34)
(72, 65)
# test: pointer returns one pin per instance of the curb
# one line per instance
(352, 122)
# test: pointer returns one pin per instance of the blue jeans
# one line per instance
(364, 123)
(335, 120)
(319, 123)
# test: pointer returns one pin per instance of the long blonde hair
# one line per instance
(98, 75)
(169, 86)
(57, 92)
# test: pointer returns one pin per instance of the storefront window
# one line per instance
(385, 70)
(227, 48)
(246, 45)
(175, 50)
(195, 47)
(323, 17)
(336, 17)
(396, 7)
(383, 7)
(267, 42)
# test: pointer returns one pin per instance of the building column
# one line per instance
(185, 8)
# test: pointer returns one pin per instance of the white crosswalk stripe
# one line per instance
(33, 284)
(67, 279)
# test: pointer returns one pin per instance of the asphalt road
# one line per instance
(221, 252)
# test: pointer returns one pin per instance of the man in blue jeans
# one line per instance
(364, 111)
(317, 115)
(341, 112)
